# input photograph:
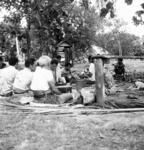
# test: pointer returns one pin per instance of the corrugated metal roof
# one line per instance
(63, 44)
(96, 50)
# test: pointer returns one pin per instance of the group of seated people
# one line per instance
(38, 78)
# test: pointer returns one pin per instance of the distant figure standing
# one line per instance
(119, 70)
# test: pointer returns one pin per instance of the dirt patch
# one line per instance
(22, 129)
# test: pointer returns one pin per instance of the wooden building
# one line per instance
(64, 49)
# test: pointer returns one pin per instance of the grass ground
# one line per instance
(24, 130)
(131, 65)
(28, 130)
(21, 131)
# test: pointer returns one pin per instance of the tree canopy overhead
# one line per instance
(52, 21)
(109, 9)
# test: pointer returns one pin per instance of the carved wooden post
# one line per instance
(100, 89)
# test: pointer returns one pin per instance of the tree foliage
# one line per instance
(109, 9)
(52, 21)
(49, 22)
(127, 41)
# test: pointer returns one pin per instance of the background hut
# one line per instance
(64, 49)
(96, 50)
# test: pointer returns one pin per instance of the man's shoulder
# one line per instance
(8, 71)
(49, 71)
(46, 72)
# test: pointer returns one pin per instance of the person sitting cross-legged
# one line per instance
(43, 85)
(7, 77)
(24, 77)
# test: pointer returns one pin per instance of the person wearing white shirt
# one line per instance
(7, 77)
(24, 77)
(43, 84)
(91, 68)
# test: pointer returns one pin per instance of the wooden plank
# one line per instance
(99, 81)
(116, 57)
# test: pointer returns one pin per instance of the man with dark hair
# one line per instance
(13, 61)
(2, 65)
(54, 64)
(58, 58)
(67, 73)
(30, 63)
(55, 70)
(24, 77)
(7, 77)
(90, 58)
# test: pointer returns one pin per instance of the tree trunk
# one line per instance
(28, 35)
(28, 43)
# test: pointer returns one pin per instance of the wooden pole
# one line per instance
(17, 47)
(100, 89)
(116, 57)
(120, 49)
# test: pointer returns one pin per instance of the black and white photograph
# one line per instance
(71, 74)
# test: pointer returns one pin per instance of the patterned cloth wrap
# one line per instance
(45, 97)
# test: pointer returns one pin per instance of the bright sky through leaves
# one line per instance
(124, 12)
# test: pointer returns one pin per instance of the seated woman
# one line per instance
(43, 84)
(24, 77)
(67, 73)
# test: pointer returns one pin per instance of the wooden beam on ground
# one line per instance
(104, 57)
(99, 81)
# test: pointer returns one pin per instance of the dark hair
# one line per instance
(120, 59)
(68, 64)
(58, 57)
(54, 61)
(1, 59)
(89, 57)
(13, 61)
(29, 62)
